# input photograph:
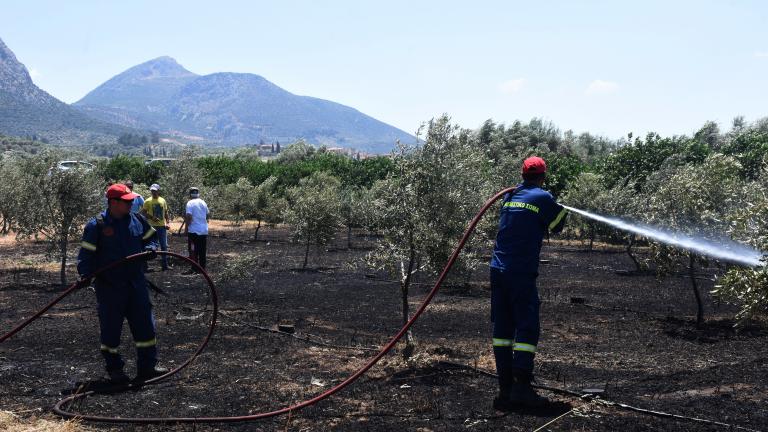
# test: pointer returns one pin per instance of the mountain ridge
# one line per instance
(231, 107)
(27, 110)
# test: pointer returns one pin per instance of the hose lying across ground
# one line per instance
(60, 409)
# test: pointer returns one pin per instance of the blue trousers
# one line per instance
(515, 316)
(117, 303)
(162, 239)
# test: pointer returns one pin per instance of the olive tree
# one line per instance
(696, 200)
(265, 207)
(354, 209)
(298, 151)
(314, 210)
(56, 203)
(10, 192)
(234, 201)
(623, 201)
(748, 287)
(586, 193)
(176, 180)
(422, 208)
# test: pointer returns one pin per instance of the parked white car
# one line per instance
(73, 164)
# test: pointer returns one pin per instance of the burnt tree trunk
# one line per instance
(256, 233)
(63, 252)
(306, 253)
(696, 293)
(405, 284)
(630, 243)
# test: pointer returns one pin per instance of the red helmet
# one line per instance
(120, 191)
(534, 165)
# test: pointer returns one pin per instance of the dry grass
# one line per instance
(10, 422)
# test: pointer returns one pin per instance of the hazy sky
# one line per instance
(608, 67)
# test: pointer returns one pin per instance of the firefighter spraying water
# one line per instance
(527, 214)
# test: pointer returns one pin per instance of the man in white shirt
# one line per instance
(196, 226)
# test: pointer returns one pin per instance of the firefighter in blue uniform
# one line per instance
(121, 292)
(527, 214)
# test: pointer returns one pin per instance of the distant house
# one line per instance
(268, 150)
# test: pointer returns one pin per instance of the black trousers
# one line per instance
(197, 246)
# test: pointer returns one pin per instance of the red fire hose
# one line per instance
(58, 408)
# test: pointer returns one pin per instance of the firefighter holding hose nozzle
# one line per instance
(527, 214)
(121, 293)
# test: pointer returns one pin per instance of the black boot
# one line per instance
(148, 374)
(522, 393)
(502, 402)
(117, 377)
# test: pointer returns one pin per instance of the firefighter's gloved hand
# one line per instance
(152, 253)
(85, 281)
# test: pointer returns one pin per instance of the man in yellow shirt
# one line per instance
(155, 209)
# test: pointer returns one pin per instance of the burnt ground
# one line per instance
(633, 336)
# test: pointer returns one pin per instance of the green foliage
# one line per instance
(562, 169)
(748, 287)
(220, 170)
(634, 162)
(55, 203)
(123, 167)
(587, 192)
(296, 152)
(506, 147)
(354, 209)
(29, 145)
(422, 208)
(313, 210)
(11, 192)
(751, 149)
(420, 198)
(234, 201)
(241, 267)
(132, 140)
(176, 180)
(694, 200)
(266, 206)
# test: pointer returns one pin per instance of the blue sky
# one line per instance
(608, 67)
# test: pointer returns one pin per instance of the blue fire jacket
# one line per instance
(526, 216)
(106, 240)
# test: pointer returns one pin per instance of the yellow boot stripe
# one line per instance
(146, 344)
(109, 349)
(524, 347)
(497, 342)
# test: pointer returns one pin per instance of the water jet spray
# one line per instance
(723, 249)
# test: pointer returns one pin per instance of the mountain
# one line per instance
(231, 108)
(26, 110)
(144, 87)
